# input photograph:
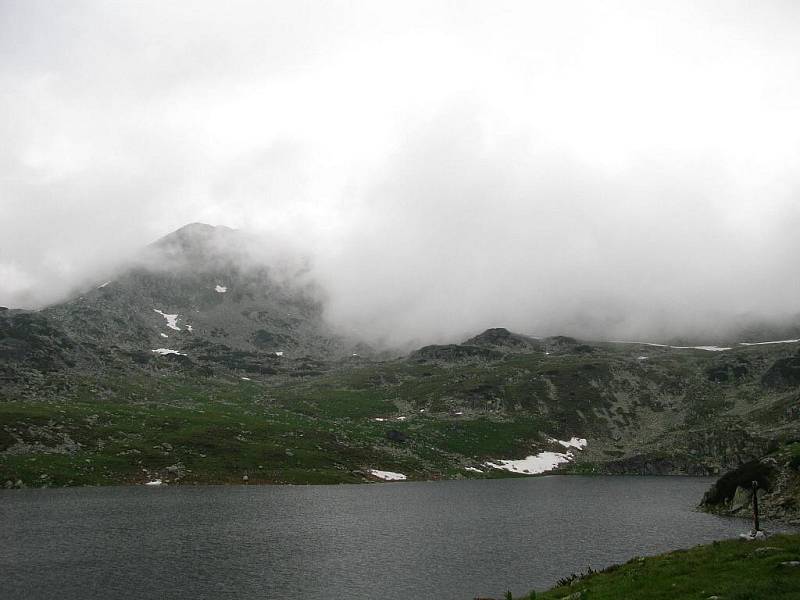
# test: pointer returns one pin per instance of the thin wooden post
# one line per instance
(756, 525)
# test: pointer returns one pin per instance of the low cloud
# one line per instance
(628, 170)
(459, 234)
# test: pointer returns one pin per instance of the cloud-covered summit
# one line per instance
(629, 168)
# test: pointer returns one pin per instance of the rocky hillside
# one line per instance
(778, 478)
(198, 293)
(204, 358)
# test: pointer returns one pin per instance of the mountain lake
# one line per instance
(446, 540)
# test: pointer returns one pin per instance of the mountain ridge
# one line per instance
(232, 364)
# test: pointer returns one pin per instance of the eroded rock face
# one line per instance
(729, 371)
(701, 452)
(734, 487)
(783, 375)
(657, 465)
(502, 338)
(778, 487)
(454, 353)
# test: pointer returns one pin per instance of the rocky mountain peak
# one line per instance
(500, 337)
(197, 244)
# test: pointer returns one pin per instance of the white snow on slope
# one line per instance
(387, 475)
(575, 442)
(172, 320)
(542, 462)
(189, 328)
(163, 351)
(765, 343)
(220, 288)
(102, 285)
(154, 482)
(164, 335)
(533, 465)
(707, 348)
(473, 469)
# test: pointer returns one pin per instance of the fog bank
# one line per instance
(615, 170)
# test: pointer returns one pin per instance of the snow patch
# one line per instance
(154, 482)
(533, 465)
(473, 470)
(172, 320)
(163, 351)
(245, 379)
(279, 353)
(707, 348)
(542, 462)
(642, 357)
(387, 475)
(220, 288)
(164, 335)
(379, 419)
(765, 343)
(189, 328)
(575, 442)
(102, 285)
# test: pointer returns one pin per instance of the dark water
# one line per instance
(443, 540)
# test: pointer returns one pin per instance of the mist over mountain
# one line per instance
(621, 181)
(317, 242)
(390, 310)
(220, 328)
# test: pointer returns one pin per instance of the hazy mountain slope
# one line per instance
(201, 292)
(430, 415)
(214, 352)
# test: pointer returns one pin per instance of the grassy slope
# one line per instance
(216, 430)
(127, 426)
(731, 570)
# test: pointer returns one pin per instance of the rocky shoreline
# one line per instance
(778, 489)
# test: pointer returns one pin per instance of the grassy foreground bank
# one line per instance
(728, 570)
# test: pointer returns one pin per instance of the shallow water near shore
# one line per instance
(413, 540)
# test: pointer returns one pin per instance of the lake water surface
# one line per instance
(400, 541)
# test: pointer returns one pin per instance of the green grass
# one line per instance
(478, 438)
(731, 570)
(275, 428)
(217, 430)
(91, 443)
(335, 403)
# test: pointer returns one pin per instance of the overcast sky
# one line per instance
(448, 165)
